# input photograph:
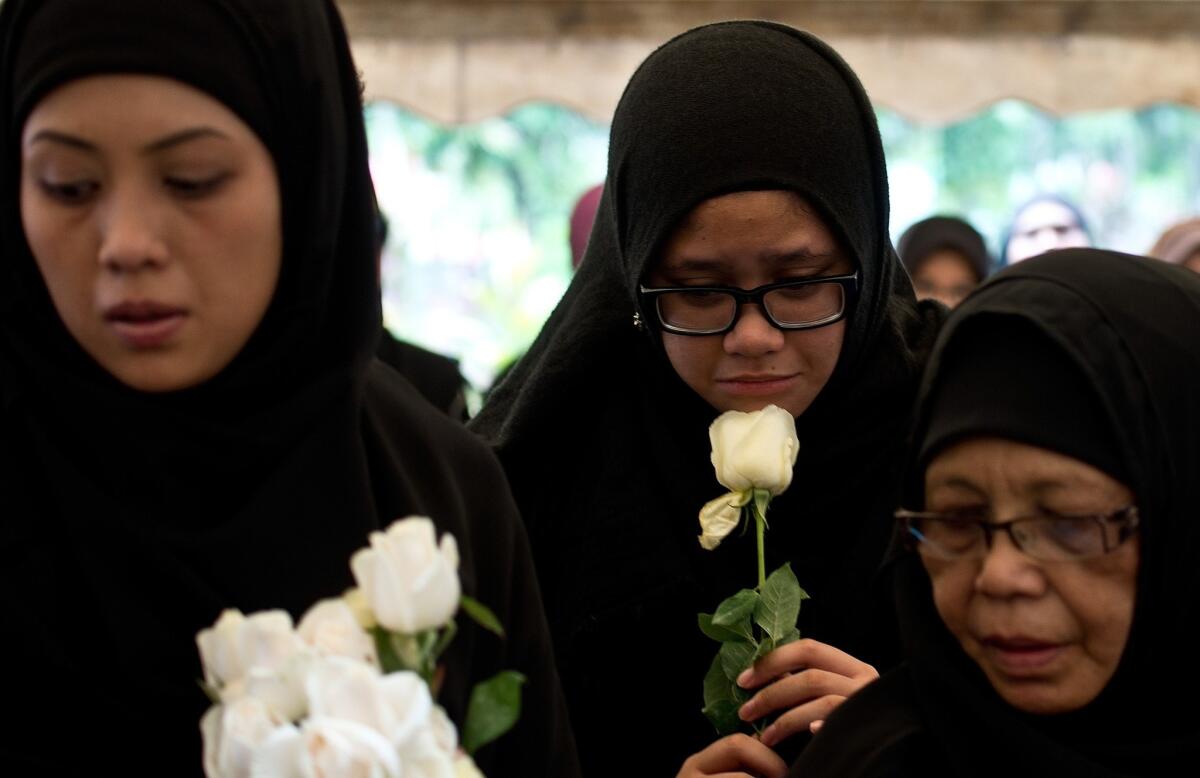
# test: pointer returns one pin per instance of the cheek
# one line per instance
(1102, 604)
(692, 358)
(63, 250)
(953, 584)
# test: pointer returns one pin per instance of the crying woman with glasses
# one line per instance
(1050, 600)
(740, 257)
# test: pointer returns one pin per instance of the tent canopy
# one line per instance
(934, 61)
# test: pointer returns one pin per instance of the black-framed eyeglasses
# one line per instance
(1046, 537)
(797, 304)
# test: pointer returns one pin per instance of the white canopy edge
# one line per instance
(929, 78)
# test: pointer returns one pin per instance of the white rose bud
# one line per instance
(754, 450)
(332, 629)
(409, 580)
(719, 517)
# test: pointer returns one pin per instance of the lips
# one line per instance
(145, 324)
(757, 384)
(1020, 655)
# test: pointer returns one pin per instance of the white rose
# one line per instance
(410, 582)
(754, 450)
(327, 748)
(444, 731)
(721, 516)
(232, 734)
(236, 643)
(331, 628)
(397, 705)
(422, 756)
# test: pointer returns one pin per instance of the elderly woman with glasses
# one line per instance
(1053, 583)
(740, 258)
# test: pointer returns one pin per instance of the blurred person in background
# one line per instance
(945, 257)
(1044, 223)
(435, 376)
(1180, 245)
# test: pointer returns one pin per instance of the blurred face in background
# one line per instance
(1042, 226)
(946, 276)
(153, 214)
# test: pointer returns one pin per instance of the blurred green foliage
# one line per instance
(478, 253)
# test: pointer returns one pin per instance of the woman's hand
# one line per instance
(734, 756)
(807, 679)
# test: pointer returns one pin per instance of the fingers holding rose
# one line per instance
(806, 680)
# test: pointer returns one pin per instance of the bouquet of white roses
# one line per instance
(350, 690)
(753, 455)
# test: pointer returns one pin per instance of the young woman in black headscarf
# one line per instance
(1063, 387)
(741, 154)
(190, 418)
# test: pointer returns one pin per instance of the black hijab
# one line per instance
(937, 233)
(607, 448)
(130, 520)
(1125, 329)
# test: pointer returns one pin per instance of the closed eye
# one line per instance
(195, 188)
(69, 192)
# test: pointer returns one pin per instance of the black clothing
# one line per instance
(606, 447)
(938, 233)
(435, 376)
(130, 520)
(1128, 326)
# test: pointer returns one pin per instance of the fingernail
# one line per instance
(768, 736)
(744, 712)
(744, 678)
(815, 727)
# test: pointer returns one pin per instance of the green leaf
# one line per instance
(720, 704)
(724, 716)
(481, 615)
(735, 612)
(779, 604)
(722, 634)
(494, 708)
(764, 648)
(736, 657)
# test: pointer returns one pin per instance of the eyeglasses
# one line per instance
(799, 304)
(1047, 537)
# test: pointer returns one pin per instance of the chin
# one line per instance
(158, 378)
(1041, 698)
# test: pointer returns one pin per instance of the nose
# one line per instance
(131, 233)
(1007, 572)
(753, 335)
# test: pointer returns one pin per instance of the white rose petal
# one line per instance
(444, 731)
(423, 757)
(409, 580)
(464, 767)
(332, 629)
(754, 450)
(327, 748)
(719, 517)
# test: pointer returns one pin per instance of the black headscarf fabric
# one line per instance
(1128, 327)
(131, 520)
(607, 448)
(938, 233)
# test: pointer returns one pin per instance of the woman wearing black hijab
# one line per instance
(945, 257)
(755, 144)
(1082, 360)
(191, 419)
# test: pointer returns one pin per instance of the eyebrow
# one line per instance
(172, 140)
(771, 257)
